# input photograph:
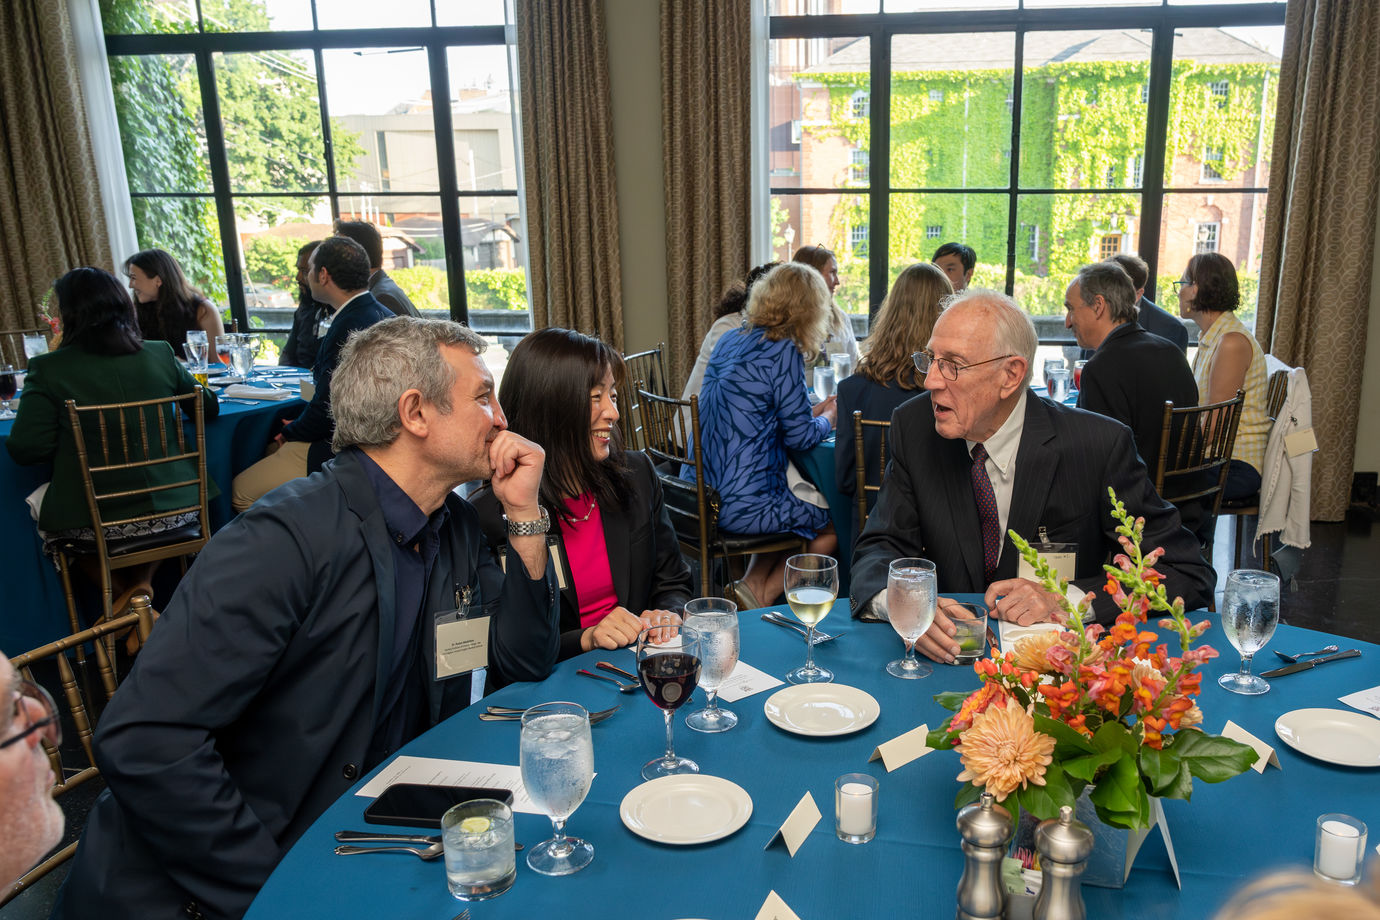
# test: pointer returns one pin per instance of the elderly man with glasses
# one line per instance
(30, 820)
(978, 455)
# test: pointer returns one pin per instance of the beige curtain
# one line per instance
(50, 199)
(1315, 277)
(705, 109)
(567, 149)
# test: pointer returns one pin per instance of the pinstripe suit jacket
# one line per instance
(1066, 460)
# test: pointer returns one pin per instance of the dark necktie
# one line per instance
(987, 513)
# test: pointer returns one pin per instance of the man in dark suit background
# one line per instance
(304, 339)
(979, 439)
(1155, 319)
(380, 285)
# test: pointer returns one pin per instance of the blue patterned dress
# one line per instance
(753, 407)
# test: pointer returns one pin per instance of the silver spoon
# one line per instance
(624, 688)
(1328, 650)
(432, 852)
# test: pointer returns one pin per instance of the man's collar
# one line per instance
(1002, 445)
(358, 294)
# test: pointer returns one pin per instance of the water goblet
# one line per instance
(557, 764)
(241, 360)
(716, 620)
(825, 383)
(1051, 364)
(668, 661)
(1250, 613)
(911, 595)
(1057, 381)
(35, 344)
(812, 584)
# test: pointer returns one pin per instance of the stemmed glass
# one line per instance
(557, 762)
(911, 593)
(668, 661)
(716, 620)
(1250, 613)
(812, 584)
(9, 385)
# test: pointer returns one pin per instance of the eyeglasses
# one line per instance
(1180, 284)
(924, 360)
(49, 724)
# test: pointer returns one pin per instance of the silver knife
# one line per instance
(1305, 665)
(369, 837)
(777, 619)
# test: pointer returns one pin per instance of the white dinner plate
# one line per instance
(1351, 739)
(685, 809)
(822, 710)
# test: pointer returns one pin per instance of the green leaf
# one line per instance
(1167, 773)
(967, 794)
(1087, 767)
(1063, 735)
(941, 739)
(1120, 796)
(1113, 736)
(1212, 758)
(952, 699)
(1045, 801)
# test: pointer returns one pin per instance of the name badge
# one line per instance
(462, 641)
(1062, 558)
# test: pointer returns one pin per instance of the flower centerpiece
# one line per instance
(1085, 707)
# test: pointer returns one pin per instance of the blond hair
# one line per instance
(904, 324)
(1297, 895)
(792, 302)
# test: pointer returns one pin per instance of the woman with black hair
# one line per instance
(168, 306)
(617, 558)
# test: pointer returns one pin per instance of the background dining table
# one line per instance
(35, 612)
(1228, 833)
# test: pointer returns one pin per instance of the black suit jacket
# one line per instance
(877, 402)
(386, 290)
(1066, 460)
(648, 570)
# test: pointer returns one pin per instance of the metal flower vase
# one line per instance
(1115, 848)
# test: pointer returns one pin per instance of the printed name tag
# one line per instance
(1301, 442)
(462, 645)
(1062, 558)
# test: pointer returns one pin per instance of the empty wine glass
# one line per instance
(911, 594)
(716, 620)
(812, 585)
(668, 661)
(1250, 613)
(557, 763)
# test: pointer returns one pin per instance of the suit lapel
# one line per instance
(616, 537)
(956, 468)
(1036, 465)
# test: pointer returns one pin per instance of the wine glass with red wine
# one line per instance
(668, 660)
(8, 387)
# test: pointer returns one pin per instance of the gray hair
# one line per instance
(1113, 284)
(1012, 326)
(380, 363)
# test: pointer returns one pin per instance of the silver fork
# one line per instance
(432, 852)
(1326, 650)
(504, 714)
(622, 687)
(463, 915)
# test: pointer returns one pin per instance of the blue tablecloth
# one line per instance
(1229, 831)
(34, 611)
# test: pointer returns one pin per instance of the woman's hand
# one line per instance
(829, 408)
(618, 629)
(653, 618)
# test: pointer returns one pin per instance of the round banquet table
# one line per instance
(1227, 833)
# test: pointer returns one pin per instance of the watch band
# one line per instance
(529, 528)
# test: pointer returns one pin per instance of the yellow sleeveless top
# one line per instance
(1254, 429)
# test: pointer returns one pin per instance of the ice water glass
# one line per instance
(812, 585)
(1250, 613)
(668, 664)
(557, 764)
(824, 382)
(716, 621)
(35, 344)
(1051, 364)
(242, 360)
(1057, 381)
(970, 631)
(477, 837)
(842, 363)
(912, 590)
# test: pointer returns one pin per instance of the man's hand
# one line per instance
(516, 464)
(617, 630)
(1022, 601)
(937, 644)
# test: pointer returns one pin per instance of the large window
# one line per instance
(1043, 133)
(250, 126)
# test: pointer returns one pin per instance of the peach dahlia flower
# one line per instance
(1002, 751)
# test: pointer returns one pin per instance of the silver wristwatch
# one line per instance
(529, 528)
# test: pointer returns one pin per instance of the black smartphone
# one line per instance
(419, 805)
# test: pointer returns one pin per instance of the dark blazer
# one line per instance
(390, 295)
(876, 401)
(1130, 377)
(302, 342)
(315, 424)
(1156, 321)
(253, 705)
(648, 570)
(42, 431)
(1066, 460)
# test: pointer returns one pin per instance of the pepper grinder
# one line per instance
(986, 828)
(1064, 846)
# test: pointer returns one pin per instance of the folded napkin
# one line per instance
(803, 488)
(245, 391)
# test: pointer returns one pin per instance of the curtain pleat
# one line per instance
(705, 116)
(567, 148)
(1315, 278)
(50, 198)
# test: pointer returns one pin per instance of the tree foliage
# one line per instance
(273, 260)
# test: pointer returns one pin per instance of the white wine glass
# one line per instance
(668, 663)
(716, 620)
(911, 594)
(557, 763)
(1250, 613)
(812, 585)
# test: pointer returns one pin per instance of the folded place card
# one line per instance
(802, 820)
(1364, 700)
(1266, 753)
(745, 681)
(902, 749)
(1300, 442)
(773, 908)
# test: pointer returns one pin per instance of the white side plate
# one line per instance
(685, 809)
(1350, 739)
(822, 710)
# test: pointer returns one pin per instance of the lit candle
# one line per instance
(1338, 846)
(855, 809)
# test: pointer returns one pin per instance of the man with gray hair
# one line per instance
(318, 632)
(977, 455)
(1132, 373)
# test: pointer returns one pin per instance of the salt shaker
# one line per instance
(1064, 846)
(986, 828)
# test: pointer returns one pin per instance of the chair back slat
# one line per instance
(1276, 391)
(645, 370)
(1196, 444)
(863, 485)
